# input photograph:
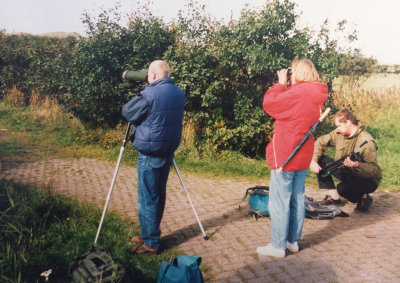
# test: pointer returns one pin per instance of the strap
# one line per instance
(175, 262)
(266, 188)
(245, 196)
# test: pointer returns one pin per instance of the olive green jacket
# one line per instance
(369, 168)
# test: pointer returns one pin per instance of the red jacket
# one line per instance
(295, 110)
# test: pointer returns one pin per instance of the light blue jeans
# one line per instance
(286, 206)
(152, 181)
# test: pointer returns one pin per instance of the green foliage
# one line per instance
(224, 69)
(100, 59)
(34, 63)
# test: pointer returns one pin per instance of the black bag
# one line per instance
(258, 201)
(96, 266)
(316, 211)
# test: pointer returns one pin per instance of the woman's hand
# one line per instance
(314, 167)
(282, 76)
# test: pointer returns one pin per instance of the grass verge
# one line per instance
(42, 230)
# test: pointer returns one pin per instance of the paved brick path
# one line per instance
(360, 248)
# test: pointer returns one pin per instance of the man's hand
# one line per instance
(350, 163)
(314, 167)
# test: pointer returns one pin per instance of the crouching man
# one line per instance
(357, 178)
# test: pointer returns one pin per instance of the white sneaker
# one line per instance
(270, 250)
(293, 247)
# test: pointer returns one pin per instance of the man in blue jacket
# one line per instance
(157, 114)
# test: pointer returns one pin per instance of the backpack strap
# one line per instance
(168, 265)
(245, 196)
(264, 188)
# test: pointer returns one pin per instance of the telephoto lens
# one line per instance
(135, 76)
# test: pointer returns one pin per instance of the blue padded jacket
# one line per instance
(157, 114)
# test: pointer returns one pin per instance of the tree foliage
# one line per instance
(100, 59)
(34, 63)
(224, 68)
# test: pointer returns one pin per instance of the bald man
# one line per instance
(157, 115)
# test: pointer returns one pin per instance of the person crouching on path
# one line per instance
(157, 115)
(358, 178)
(295, 109)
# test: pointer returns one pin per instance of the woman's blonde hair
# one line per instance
(304, 71)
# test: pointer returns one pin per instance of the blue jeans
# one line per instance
(152, 181)
(286, 206)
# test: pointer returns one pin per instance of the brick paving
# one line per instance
(364, 247)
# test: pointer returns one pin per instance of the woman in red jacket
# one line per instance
(295, 109)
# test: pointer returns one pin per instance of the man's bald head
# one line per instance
(158, 69)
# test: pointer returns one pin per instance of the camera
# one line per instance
(289, 73)
(132, 79)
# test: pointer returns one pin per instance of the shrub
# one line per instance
(95, 93)
(224, 69)
(14, 97)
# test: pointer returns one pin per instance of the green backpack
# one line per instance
(96, 266)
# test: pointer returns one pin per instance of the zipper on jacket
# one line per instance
(273, 146)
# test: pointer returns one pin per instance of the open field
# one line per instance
(376, 82)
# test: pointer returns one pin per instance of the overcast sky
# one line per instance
(376, 21)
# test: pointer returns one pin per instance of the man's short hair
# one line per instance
(344, 115)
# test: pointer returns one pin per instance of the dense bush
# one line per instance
(96, 94)
(224, 69)
(33, 63)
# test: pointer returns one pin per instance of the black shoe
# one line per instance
(364, 204)
(329, 200)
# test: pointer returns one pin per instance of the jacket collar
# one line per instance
(165, 80)
(360, 128)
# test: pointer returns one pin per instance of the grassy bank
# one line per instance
(42, 230)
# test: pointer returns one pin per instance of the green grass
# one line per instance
(11, 148)
(386, 131)
(42, 230)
